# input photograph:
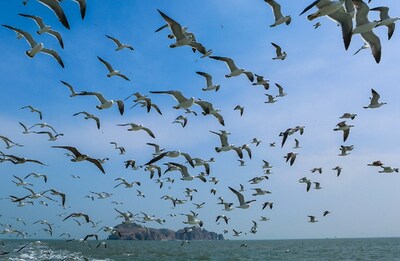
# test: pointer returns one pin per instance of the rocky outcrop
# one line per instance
(137, 232)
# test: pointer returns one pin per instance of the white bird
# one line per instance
(73, 93)
(261, 81)
(271, 98)
(279, 18)
(192, 220)
(112, 72)
(36, 47)
(104, 104)
(388, 170)
(37, 176)
(225, 146)
(137, 127)
(279, 54)
(325, 7)
(120, 45)
(89, 116)
(365, 46)
(181, 37)
(51, 136)
(281, 93)
(338, 170)
(45, 28)
(364, 27)
(260, 192)
(240, 109)
(291, 156)
(242, 203)
(374, 101)
(234, 71)
(210, 85)
(342, 126)
(208, 109)
(348, 115)
(387, 21)
(183, 102)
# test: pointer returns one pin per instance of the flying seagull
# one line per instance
(181, 37)
(234, 71)
(279, 18)
(57, 9)
(78, 157)
(242, 203)
(45, 28)
(105, 103)
(111, 70)
(386, 20)
(342, 126)
(36, 47)
(120, 45)
(279, 54)
(183, 102)
(374, 101)
(89, 116)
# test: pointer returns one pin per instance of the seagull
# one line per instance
(45, 28)
(281, 93)
(279, 54)
(338, 170)
(18, 160)
(317, 185)
(264, 218)
(374, 101)
(312, 219)
(307, 181)
(126, 183)
(236, 233)
(208, 109)
(340, 16)
(36, 47)
(59, 193)
(37, 176)
(365, 46)
(326, 212)
(42, 125)
(181, 37)
(191, 220)
(234, 71)
(240, 109)
(279, 18)
(243, 204)
(210, 85)
(342, 126)
(73, 93)
(9, 143)
(51, 136)
(348, 115)
(376, 163)
(316, 169)
(271, 98)
(137, 127)
(58, 11)
(81, 157)
(297, 144)
(261, 81)
(388, 170)
(364, 27)
(21, 182)
(343, 151)
(89, 116)
(112, 72)
(260, 192)
(105, 103)
(291, 156)
(171, 154)
(389, 22)
(33, 110)
(185, 174)
(181, 120)
(316, 25)
(225, 146)
(183, 102)
(267, 204)
(82, 7)
(225, 218)
(120, 45)
(78, 214)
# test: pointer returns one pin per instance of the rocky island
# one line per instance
(138, 232)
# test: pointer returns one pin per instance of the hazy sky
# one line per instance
(322, 80)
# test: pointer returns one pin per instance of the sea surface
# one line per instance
(310, 249)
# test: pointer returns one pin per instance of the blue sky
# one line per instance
(322, 80)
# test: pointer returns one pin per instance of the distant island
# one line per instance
(137, 232)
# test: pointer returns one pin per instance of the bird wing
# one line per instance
(58, 36)
(239, 195)
(70, 148)
(207, 76)
(69, 87)
(109, 67)
(26, 35)
(229, 62)
(115, 40)
(346, 23)
(309, 7)
(149, 132)
(54, 54)
(176, 28)
(82, 7)
(58, 11)
(276, 8)
(278, 49)
(38, 20)
(97, 163)
(374, 43)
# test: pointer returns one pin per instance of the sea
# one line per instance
(309, 249)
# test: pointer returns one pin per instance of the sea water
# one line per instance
(310, 249)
